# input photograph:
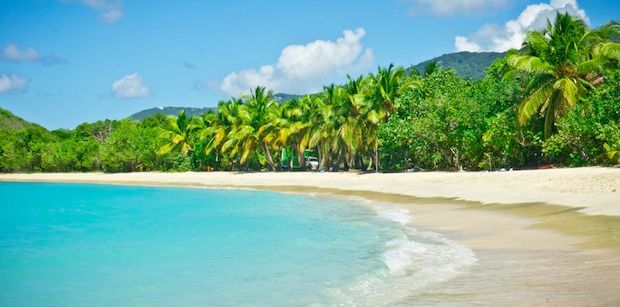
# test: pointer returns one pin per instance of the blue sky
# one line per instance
(64, 62)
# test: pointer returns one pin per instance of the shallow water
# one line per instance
(102, 245)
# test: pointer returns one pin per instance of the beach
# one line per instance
(595, 190)
(545, 237)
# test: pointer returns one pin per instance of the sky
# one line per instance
(65, 62)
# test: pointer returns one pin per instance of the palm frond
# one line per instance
(534, 102)
(528, 63)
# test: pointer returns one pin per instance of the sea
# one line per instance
(68, 244)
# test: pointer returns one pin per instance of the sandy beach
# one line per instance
(594, 190)
(544, 237)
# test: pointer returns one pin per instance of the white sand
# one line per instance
(596, 189)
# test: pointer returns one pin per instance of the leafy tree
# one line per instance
(380, 102)
(567, 60)
(176, 132)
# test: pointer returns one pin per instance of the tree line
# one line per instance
(554, 101)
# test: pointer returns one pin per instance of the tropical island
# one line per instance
(489, 182)
(553, 102)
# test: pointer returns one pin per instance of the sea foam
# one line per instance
(413, 260)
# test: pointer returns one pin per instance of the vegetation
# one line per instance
(10, 121)
(555, 101)
(468, 65)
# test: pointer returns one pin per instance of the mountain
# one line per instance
(168, 111)
(281, 97)
(8, 120)
(470, 65)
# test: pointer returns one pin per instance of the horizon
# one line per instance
(92, 60)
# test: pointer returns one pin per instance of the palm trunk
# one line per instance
(376, 156)
(290, 160)
(268, 156)
(320, 154)
(300, 158)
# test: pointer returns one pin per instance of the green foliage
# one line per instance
(10, 121)
(468, 65)
(588, 133)
(566, 61)
(437, 127)
(566, 81)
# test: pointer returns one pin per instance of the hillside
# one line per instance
(280, 97)
(470, 65)
(9, 121)
(168, 111)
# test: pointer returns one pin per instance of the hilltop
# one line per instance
(471, 65)
(9, 120)
(280, 97)
(168, 111)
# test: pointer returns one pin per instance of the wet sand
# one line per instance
(553, 240)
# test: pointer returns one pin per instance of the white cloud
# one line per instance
(305, 68)
(13, 53)
(512, 34)
(13, 83)
(451, 7)
(130, 86)
(109, 10)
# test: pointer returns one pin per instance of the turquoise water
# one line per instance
(103, 245)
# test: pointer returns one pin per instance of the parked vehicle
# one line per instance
(312, 163)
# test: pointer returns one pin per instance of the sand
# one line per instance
(542, 237)
(595, 190)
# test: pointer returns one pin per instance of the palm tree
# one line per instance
(566, 61)
(176, 132)
(293, 123)
(258, 129)
(220, 126)
(351, 132)
(380, 101)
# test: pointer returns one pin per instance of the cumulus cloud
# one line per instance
(304, 68)
(130, 86)
(451, 7)
(110, 11)
(534, 17)
(13, 83)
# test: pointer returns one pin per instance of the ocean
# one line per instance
(107, 245)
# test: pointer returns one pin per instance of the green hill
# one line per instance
(280, 97)
(9, 121)
(168, 111)
(470, 65)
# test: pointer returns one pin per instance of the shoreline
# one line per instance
(592, 190)
(543, 251)
(580, 203)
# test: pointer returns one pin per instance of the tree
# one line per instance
(567, 60)
(380, 100)
(176, 132)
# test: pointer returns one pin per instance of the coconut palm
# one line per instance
(258, 130)
(221, 125)
(380, 100)
(176, 132)
(566, 60)
(351, 132)
(294, 120)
